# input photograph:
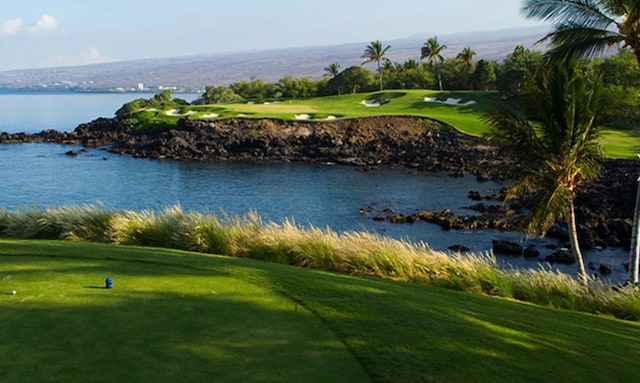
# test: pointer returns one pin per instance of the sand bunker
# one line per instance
(449, 101)
(210, 115)
(370, 103)
(302, 116)
(175, 112)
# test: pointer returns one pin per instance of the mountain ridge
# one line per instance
(197, 71)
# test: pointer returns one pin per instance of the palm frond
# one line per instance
(588, 13)
(571, 41)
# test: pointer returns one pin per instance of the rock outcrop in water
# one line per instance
(604, 206)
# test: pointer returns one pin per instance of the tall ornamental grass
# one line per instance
(353, 253)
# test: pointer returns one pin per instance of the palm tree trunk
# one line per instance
(439, 80)
(380, 75)
(575, 246)
(634, 263)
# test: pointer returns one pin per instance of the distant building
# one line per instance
(140, 86)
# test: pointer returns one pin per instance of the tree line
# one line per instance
(515, 74)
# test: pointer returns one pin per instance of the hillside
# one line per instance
(195, 72)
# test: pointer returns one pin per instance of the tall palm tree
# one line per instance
(432, 51)
(375, 52)
(584, 28)
(466, 56)
(332, 70)
(552, 143)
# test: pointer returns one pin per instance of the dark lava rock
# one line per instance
(459, 248)
(560, 257)
(506, 247)
(71, 153)
(604, 269)
(531, 252)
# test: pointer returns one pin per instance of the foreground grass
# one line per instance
(352, 253)
(180, 316)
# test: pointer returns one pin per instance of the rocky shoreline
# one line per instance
(604, 206)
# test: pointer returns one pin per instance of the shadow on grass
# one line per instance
(399, 332)
(482, 103)
(159, 325)
(409, 333)
(385, 97)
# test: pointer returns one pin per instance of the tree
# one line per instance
(621, 78)
(218, 95)
(351, 80)
(410, 76)
(484, 76)
(466, 55)
(432, 51)
(332, 70)
(517, 69)
(256, 89)
(375, 52)
(584, 28)
(291, 87)
(552, 142)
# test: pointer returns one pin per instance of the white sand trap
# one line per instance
(271, 103)
(449, 101)
(210, 115)
(174, 112)
(329, 118)
(302, 116)
(370, 103)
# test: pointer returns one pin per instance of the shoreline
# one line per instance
(604, 206)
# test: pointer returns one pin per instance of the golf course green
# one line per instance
(463, 110)
(180, 316)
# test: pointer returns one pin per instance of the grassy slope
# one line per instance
(466, 118)
(178, 316)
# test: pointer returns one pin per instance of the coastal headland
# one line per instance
(604, 206)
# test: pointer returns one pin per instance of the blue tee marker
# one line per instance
(108, 283)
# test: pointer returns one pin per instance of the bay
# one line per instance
(41, 175)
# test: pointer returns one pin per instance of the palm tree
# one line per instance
(374, 52)
(552, 144)
(432, 51)
(585, 28)
(466, 56)
(332, 70)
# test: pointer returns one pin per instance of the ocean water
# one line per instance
(41, 175)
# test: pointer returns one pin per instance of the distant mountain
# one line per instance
(195, 72)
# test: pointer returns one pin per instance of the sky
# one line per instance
(50, 33)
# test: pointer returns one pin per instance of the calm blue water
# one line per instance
(311, 194)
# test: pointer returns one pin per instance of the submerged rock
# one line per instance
(506, 247)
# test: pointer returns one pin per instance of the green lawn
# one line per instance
(395, 102)
(178, 316)
(467, 118)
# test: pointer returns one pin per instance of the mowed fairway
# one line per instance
(159, 323)
(175, 316)
(466, 112)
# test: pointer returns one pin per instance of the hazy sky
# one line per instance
(44, 33)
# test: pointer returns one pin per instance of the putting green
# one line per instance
(158, 323)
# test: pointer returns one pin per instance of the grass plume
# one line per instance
(354, 253)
